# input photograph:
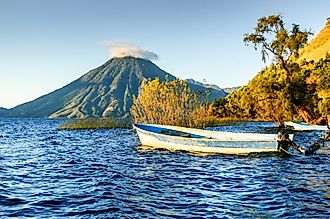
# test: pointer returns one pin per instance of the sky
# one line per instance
(46, 44)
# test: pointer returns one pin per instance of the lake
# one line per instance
(46, 172)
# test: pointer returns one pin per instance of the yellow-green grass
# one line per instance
(96, 123)
(212, 122)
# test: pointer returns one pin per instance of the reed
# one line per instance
(212, 121)
(96, 123)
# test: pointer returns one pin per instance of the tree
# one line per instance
(271, 36)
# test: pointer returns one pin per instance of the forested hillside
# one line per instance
(291, 88)
(268, 96)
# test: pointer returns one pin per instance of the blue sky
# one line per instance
(46, 44)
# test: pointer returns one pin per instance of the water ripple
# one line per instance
(45, 172)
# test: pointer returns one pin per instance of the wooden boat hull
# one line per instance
(203, 141)
(301, 126)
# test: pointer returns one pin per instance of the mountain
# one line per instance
(3, 110)
(227, 90)
(102, 92)
(318, 46)
(231, 89)
(192, 81)
(209, 86)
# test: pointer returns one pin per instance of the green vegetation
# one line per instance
(269, 97)
(96, 123)
(170, 103)
(272, 37)
(291, 88)
(212, 121)
(287, 89)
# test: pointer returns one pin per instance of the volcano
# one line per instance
(105, 91)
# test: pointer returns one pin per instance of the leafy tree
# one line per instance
(265, 97)
(287, 89)
(169, 103)
(270, 34)
(272, 37)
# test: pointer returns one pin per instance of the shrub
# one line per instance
(169, 103)
(96, 123)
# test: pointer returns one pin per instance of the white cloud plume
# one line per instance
(123, 49)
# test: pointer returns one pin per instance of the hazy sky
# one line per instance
(46, 44)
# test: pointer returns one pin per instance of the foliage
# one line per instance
(321, 75)
(170, 103)
(286, 89)
(270, 34)
(269, 96)
(96, 123)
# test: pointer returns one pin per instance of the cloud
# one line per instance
(123, 49)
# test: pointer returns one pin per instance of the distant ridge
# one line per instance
(231, 89)
(228, 90)
(209, 86)
(3, 110)
(105, 91)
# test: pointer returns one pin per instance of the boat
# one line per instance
(204, 141)
(302, 126)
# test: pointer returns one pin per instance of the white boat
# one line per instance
(301, 126)
(199, 140)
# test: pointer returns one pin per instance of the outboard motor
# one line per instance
(284, 143)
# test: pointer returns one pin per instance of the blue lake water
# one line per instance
(45, 172)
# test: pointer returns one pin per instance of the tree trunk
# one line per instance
(307, 116)
(286, 69)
